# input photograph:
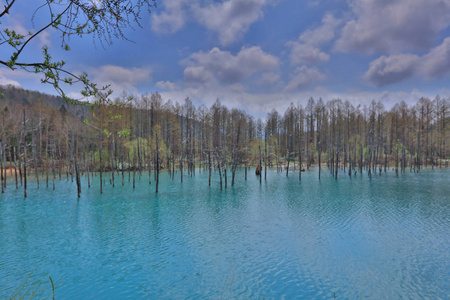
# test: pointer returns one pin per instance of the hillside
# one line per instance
(15, 97)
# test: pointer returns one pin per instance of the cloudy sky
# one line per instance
(262, 54)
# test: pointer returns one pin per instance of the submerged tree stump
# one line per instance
(258, 170)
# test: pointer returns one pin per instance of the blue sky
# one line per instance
(262, 54)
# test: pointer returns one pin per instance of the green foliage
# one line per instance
(398, 147)
(366, 151)
(105, 157)
(253, 150)
(124, 132)
(313, 149)
(147, 146)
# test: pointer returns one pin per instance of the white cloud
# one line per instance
(232, 18)
(259, 104)
(17, 23)
(217, 66)
(306, 50)
(437, 63)
(392, 69)
(397, 68)
(14, 77)
(172, 18)
(237, 88)
(75, 95)
(197, 74)
(306, 54)
(303, 78)
(388, 98)
(392, 26)
(322, 34)
(269, 78)
(7, 81)
(44, 38)
(165, 85)
(120, 78)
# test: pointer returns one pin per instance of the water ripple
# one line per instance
(379, 238)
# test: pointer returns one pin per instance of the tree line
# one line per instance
(136, 135)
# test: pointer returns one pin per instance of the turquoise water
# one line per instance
(382, 238)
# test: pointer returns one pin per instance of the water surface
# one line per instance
(380, 238)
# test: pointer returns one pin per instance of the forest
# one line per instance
(45, 139)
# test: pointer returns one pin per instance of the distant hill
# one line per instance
(14, 97)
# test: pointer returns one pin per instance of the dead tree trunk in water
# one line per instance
(71, 149)
(361, 158)
(4, 152)
(265, 157)
(288, 156)
(139, 155)
(260, 165)
(15, 168)
(218, 165)
(157, 163)
(234, 167)
(1, 166)
(209, 166)
(246, 161)
(24, 160)
(337, 154)
(385, 157)
(181, 146)
(396, 160)
(112, 161)
(25, 170)
(33, 148)
(53, 163)
(181, 160)
(77, 176)
(149, 169)
(169, 170)
(319, 141)
(300, 153)
(225, 175)
(100, 166)
(320, 157)
(134, 168)
(129, 165)
(122, 157)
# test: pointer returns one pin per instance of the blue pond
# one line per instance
(387, 237)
